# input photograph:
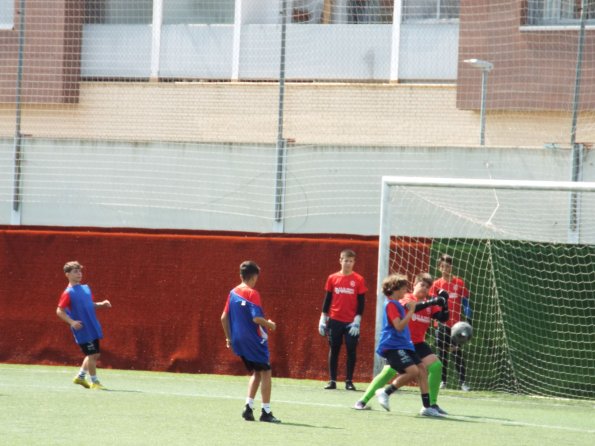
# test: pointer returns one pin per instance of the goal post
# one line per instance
(526, 251)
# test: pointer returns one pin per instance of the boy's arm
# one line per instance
(399, 323)
(326, 305)
(268, 324)
(226, 330)
(77, 325)
(103, 304)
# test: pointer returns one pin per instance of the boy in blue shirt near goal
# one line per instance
(77, 309)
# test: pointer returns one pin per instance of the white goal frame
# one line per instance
(384, 232)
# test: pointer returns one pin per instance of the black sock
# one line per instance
(390, 389)
(425, 399)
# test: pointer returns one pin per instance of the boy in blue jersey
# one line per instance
(77, 309)
(395, 339)
(245, 329)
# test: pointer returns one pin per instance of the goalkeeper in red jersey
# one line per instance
(458, 306)
(341, 316)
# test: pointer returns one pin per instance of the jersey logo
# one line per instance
(352, 283)
(343, 290)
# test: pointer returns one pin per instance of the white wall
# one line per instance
(231, 186)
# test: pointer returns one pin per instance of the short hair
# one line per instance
(393, 283)
(249, 269)
(350, 253)
(69, 266)
(445, 258)
(424, 277)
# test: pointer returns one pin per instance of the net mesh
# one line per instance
(531, 290)
(370, 87)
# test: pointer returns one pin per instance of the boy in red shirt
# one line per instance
(341, 316)
(458, 305)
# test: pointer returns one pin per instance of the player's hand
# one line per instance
(105, 304)
(322, 324)
(271, 325)
(410, 306)
(77, 325)
(443, 294)
(227, 343)
(354, 326)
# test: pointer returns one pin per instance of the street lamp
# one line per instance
(485, 68)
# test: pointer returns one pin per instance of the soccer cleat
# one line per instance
(429, 412)
(349, 385)
(360, 405)
(443, 385)
(268, 417)
(248, 413)
(97, 386)
(465, 387)
(439, 409)
(81, 381)
(383, 399)
(331, 385)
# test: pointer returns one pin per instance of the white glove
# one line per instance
(322, 324)
(354, 326)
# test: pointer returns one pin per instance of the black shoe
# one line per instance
(248, 414)
(268, 417)
(331, 385)
(349, 385)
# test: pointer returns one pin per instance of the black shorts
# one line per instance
(400, 359)
(423, 349)
(255, 366)
(90, 348)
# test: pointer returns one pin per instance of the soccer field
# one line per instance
(41, 406)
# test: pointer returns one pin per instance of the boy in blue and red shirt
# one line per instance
(245, 329)
(77, 309)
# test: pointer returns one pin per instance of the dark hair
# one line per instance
(249, 269)
(424, 277)
(445, 258)
(69, 266)
(393, 283)
(350, 253)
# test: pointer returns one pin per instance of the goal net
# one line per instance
(525, 250)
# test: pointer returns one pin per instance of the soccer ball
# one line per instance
(461, 333)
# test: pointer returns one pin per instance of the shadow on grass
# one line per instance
(284, 423)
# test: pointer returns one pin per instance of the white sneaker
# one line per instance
(383, 399)
(465, 387)
(439, 409)
(442, 385)
(429, 412)
(360, 405)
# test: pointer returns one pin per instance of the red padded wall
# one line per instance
(168, 291)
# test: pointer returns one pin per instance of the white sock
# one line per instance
(250, 402)
(82, 373)
(266, 407)
(94, 379)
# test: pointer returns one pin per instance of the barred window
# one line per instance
(558, 12)
(414, 10)
(6, 14)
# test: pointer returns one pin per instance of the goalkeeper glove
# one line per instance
(322, 324)
(444, 295)
(354, 326)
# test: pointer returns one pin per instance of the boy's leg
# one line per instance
(253, 384)
(265, 389)
(434, 378)
(380, 380)
(92, 364)
(442, 346)
(351, 347)
(460, 365)
(335, 337)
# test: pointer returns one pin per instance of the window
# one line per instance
(558, 12)
(6, 14)
(140, 12)
(414, 10)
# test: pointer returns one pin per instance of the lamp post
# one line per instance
(485, 68)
